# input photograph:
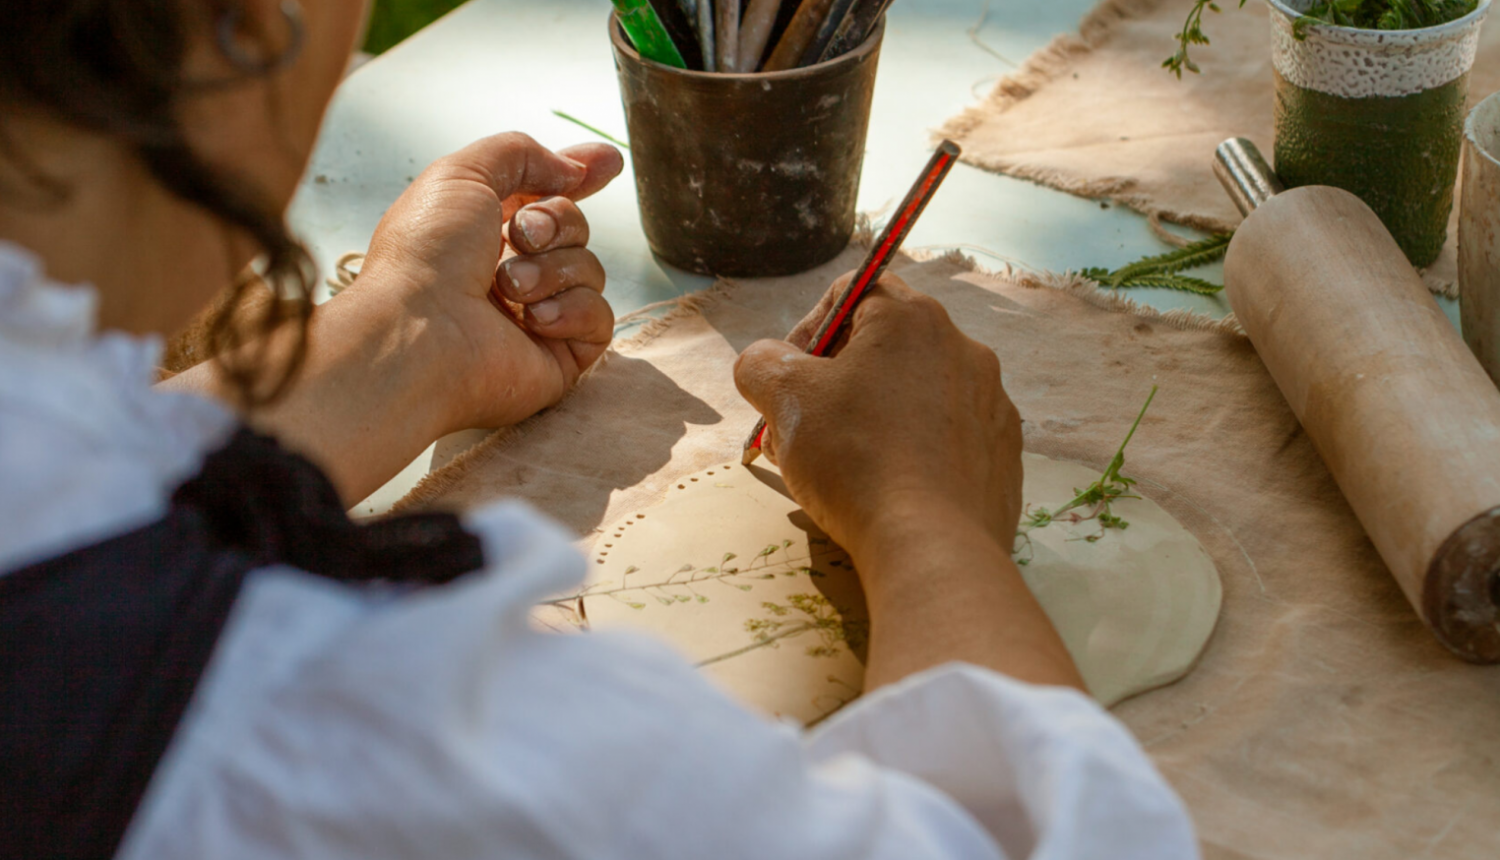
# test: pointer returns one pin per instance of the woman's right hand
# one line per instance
(907, 424)
(905, 448)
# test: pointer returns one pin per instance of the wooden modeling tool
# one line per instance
(1400, 410)
(841, 316)
(706, 35)
(755, 32)
(784, 17)
(646, 32)
(836, 15)
(727, 26)
(856, 28)
(799, 34)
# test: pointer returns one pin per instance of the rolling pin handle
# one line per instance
(1243, 172)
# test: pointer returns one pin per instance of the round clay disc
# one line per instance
(1135, 606)
(731, 571)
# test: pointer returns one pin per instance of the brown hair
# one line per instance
(113, 67)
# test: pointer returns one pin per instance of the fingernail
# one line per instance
(524, 276)
(538, 227)
(546, 312)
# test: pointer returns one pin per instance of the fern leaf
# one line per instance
(1199, 253)
(1181, 283)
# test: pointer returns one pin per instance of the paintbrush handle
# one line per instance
(727, 30)
(755, 32)
(841, 316)
(857, 27)
(647, 33)
(681, 29)
(706, 35)
(836, 17)
(799, 34)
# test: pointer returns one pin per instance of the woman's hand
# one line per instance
(908, 421)
(440, 248)
(905, 448)
(417, 347)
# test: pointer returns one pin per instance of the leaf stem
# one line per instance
(602, 133)
(760, 643)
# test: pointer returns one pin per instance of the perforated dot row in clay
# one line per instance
(607, 544)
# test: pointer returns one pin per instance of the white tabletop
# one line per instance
(499, 65)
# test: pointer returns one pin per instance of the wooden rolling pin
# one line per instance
(1400, 410)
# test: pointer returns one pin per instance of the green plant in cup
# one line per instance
(1370, 98)
(1359, 14)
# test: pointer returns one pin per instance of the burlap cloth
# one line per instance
(1095, 114)
(1323, 721)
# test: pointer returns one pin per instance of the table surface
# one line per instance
(501, 65)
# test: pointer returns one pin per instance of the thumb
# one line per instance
(767, 372)
(513, 164)
(602, 163)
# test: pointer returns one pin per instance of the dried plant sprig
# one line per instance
(1096, 497)
(1200, 253)
(1180, 283)
(1111, 485)
(1161, 270)
(1192, 34)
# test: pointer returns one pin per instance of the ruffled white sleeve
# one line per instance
(337, 724)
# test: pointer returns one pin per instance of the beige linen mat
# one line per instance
(1095, 114)
(1323, 721)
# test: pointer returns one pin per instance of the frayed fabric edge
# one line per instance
(1048, 63)
(435, 484)
(1089, 291)
(1055, 60)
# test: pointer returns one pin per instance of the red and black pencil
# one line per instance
(881, 253)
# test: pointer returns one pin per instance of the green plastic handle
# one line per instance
(647, 32)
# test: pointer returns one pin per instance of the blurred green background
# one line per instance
(394, 20)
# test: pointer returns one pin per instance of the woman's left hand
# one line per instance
(440, 247)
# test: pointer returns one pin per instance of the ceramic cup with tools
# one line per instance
(747, 174)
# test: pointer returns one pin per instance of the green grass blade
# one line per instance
(602, 133)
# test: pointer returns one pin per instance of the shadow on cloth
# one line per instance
(551, 473)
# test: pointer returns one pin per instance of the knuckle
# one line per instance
(518, 139)
(988, 361)
(605, 312)
(454, 163)
(928, 307)
(588, 260)
(875, 312)
(751, 361)
(1010, 416)
(564, 211)
(912, 304)
(764, 366)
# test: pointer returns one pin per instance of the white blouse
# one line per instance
(340, 722)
